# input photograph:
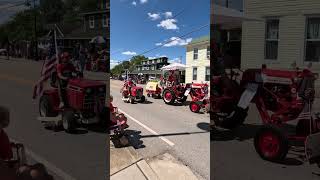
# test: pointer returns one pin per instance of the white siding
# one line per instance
(201, 63)
(292, 15)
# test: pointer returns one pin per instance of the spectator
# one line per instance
(82, 58)
(5, 145)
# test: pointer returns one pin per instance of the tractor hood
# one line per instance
(84, 83)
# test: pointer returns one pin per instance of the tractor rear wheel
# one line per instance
(143, 99)
(68, 121)
(194, 107)
(168, 96)
(46, 107)
(271, 143)
(231, 120)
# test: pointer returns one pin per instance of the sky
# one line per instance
(8, 8)
(140, 25)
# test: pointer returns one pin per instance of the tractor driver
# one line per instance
(64, 71)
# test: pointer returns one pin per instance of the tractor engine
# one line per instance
(85, 96)
(137, 91)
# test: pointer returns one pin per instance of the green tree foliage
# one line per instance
(120, 68)
(53, 11)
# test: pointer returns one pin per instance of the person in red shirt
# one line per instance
(65, 69)
(5, 145)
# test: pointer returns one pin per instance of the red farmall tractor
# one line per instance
(281, 97)
(132, 93)
(86, 100)
(199, 93)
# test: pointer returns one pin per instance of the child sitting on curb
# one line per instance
(25, 172)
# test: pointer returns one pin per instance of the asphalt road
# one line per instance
(234, 156)
(157, 128)
(70, 156)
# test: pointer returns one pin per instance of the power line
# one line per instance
(19, 3)
(172, 40)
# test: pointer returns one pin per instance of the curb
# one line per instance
(147, 170)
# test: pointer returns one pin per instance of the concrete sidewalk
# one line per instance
(126, 163)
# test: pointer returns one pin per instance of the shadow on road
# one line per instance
(134, 138)
(147, 102)
(245, 132)
(204, 126)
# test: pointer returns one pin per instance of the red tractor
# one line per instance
(132, 93)
(86, 100)
(280, 96)
(199, 94)
(173, 93)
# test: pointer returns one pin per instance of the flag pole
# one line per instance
(55, 42)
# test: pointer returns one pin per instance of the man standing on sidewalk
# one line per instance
(82, 58)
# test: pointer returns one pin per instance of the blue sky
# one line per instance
(139, 25)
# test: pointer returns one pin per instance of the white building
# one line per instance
(198, 61)
(288, 33)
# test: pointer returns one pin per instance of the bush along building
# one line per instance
(198, 61)
(151, 67)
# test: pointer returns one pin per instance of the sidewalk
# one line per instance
(126, 163)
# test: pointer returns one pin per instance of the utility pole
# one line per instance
(227, 3)
(35, 30)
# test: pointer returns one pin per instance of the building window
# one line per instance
(194, 74)
(195, 53)
(272, 39)
(313, 40)
(91, 22)
(207, 73)
(105, 21)
(208, 52)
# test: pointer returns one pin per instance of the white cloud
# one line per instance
(113, 63)
(152, 57)
(168, 24)
(168, 14)
(134, 3)
(154, 16)
(143, 1)
(158, 44)
(176, 41)
(129, 53)
(175, 60)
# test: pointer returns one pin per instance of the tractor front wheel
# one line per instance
(68, 120)
(143, 99)
(46, 107)
(168, 96)
(271, 143)
(194, 107)
(131, 100)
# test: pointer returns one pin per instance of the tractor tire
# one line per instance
(148, 95)
(271, 143)
(168, 96)
(194, 107)
(46, 107)
(233, 120)
(68, 121)
(131, 100)
(143, 99)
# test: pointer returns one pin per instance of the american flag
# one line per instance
(48, 67)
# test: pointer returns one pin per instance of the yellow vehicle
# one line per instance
(153, 89)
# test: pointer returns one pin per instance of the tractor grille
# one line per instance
(139, 93)
(89, 101)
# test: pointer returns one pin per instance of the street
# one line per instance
(233, 156)
(67, 156)
(157, 128)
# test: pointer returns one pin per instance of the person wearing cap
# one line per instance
(64, 71)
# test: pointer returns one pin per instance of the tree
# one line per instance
(136, 60)
(53, 11)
